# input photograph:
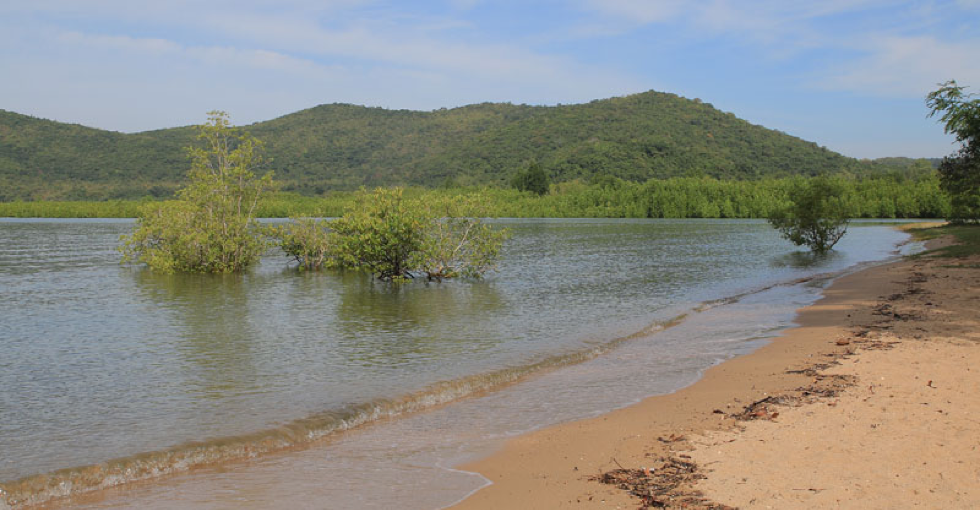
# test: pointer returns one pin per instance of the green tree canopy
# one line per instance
(381, 232)
(960, 173)
(960, 111)
(211, 228)
(533, 179)
(457, 241)
(396, 237)
(343, 147)
(817, 215)
(308, 241)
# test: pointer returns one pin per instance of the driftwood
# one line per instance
(669, 485)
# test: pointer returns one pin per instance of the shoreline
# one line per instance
(562, 466)
(705, 304)
(63, 485)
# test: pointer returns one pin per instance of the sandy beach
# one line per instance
(872, 402)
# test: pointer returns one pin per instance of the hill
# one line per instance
(340, 147)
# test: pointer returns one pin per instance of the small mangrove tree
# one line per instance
(817, 214)
(397, 238)
(211, 227)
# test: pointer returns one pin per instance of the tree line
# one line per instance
(886, 196)
(636, 138)
(212, 226)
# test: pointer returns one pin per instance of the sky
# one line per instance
(848, 75)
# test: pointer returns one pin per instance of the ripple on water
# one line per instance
(104, 361)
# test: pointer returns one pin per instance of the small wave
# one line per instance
(44, 488)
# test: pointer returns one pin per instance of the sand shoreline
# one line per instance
(906, 305)
(559, 466)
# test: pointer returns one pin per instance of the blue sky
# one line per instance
(850, 75)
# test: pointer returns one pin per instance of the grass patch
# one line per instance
(276, 205)
(967, 238)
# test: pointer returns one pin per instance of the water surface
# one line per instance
(102, 361)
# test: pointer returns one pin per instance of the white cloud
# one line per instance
(907, 66)
(124, 43)
(394, 45)
(330, 34)
(211, 55)
(724, 15)
(779, 29)
(904, 56)
(637, 12)
(283, 64)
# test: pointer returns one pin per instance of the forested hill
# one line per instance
(637, 137)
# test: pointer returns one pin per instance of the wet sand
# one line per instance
(872, 402)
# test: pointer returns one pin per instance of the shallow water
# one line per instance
(409, 463)
(103, 361)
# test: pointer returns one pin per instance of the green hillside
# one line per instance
(342, 147)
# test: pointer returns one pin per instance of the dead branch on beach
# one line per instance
(668, 485)
(671, 483)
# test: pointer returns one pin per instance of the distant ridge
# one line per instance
(342, 146)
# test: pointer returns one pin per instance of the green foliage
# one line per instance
(222, 178)
(967, 240)
(886, 196)
(916, 166)
(960, 177)
(178, 236)
(635, 138)
(396, 237)
(960, 111)
(457, 242)
(72, 209)
(45, 160)
(817, 214)
(308, 240)
(533, 179)
(960, 173)
(292, 205)
(383, 233)
(211, 228)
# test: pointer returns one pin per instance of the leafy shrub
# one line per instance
(308, 240)
(382, 232)
(817, 216)
(533, 179)
(396, 238)
(211, 228)
(457, 242)
(960, 177)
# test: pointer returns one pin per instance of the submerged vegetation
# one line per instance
(652, 155)
(211, 228)
(380, 233)
(396, 238)
(457, 242)
(308, 241)
(816, 216)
